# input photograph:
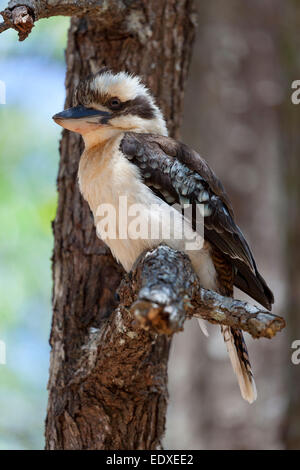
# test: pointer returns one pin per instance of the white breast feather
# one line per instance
(104, 175)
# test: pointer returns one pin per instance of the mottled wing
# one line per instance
(178, 174)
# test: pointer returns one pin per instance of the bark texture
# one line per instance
(122, 403)
(167, 290)
(117, 393)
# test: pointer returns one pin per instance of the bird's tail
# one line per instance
(239, 357)
(233, 338)
(203, 327)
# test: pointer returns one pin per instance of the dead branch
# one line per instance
(168, 291)
(22, 15)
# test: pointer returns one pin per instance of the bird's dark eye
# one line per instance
(114, 103)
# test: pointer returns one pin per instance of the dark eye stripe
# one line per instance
(140, 106)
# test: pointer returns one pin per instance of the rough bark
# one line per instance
(166, 290)
(117, 393)
(100, 411)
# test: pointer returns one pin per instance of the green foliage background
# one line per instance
(33, 72)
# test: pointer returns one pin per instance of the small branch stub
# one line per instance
(19, 18)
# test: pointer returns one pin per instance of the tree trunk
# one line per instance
(105, 412)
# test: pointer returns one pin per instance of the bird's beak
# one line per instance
(81, 119)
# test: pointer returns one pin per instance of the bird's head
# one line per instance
(107, 103)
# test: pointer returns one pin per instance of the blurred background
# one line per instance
(238, 115)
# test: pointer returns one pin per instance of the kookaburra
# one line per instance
(128, 153)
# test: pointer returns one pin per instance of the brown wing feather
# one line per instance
(168, 165)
